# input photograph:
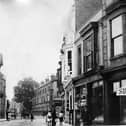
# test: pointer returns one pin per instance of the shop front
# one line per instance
(89, 94)
(69, 103)
(80, 101)
(115, 96)
(96, 101)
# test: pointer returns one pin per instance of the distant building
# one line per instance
(15, 108)
(45, 96)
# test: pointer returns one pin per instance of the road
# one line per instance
(39, 121)
(24, 122)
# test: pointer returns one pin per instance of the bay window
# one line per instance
(89, 34)
(88, 53)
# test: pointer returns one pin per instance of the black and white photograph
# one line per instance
(62, 62)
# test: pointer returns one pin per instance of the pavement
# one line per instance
(38, 121)
(57, 121)
(1, 120)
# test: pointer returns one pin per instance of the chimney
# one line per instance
(42, 82)
(53, 77)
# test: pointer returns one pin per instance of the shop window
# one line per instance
(116, 86)
(97, 100)
(123, 84)
(117, 36)
(120, 85)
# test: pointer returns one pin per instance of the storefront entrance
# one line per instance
(95, 102)
(114, 110)
(116, 102)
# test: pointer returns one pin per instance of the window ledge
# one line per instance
(118, 56)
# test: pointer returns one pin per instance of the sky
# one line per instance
(31, 33)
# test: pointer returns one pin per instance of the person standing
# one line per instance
(53, 116)
(32, 117)
(49, 119)
(61, 118)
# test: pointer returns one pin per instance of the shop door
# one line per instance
(114, 109)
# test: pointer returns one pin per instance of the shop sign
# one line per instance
(84, 92)
(121, 91)
(83, 102)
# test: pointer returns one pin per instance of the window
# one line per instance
(88, 55)
(67, 101)
(117, 35)
(70, 102)
(119, 85)
(119, 91)
(70, 60)
(90, 36)
(79, 60)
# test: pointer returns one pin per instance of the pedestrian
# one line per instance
(61, 118)
(32, 117)
(49, 119)
(53, 116)
(7, 118)
(86, 117)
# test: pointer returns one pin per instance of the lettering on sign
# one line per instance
(121, 92)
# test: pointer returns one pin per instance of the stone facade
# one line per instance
(46, 96)
(100, 86)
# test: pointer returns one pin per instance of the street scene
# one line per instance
(62, 62)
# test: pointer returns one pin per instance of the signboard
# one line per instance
(83, 102)
(121, 91)
(84, 91)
